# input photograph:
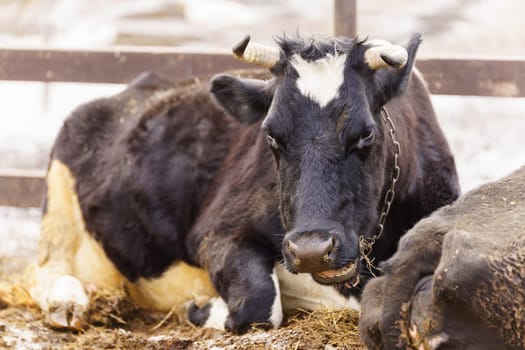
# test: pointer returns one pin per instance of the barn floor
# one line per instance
(23, 329)
(116, 323)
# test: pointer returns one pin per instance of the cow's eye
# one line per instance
(367, 138)
(362, 142)
(272, 142)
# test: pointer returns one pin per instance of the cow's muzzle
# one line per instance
(348, 273)
(316, 252)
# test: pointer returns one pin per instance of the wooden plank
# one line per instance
(345, 18)
(449, 76)
(119, 65)
(476, 77)
(22, 188)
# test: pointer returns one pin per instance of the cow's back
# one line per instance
(142, 162)
(429, 177)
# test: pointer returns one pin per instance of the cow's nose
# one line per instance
(310, 252)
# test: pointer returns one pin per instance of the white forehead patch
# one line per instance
(320, 80)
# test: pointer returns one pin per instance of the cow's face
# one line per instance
(321, 121)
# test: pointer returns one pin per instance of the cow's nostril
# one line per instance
(293, 248)
(294, 251)
(328, 250)
(325, 247)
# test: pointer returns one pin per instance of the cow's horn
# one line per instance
(382, 54)
(262, 55)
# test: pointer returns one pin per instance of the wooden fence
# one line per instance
(475, 77)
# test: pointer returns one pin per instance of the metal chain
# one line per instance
(367, 243)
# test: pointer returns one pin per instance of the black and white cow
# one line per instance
(457, 280)
(272, 203)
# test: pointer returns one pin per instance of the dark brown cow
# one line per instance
(141, 185)
(457, 280)
(277, 209)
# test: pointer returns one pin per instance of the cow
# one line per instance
(248, 195)
(457, 280)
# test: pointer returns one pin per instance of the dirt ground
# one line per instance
(116, 323)
(326, 330)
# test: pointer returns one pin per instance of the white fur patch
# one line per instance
(276, 316)
(320, 80)
(300, 291)
(218, 314)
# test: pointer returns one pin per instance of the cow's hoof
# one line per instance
(67, 305)
(67, 316)
(216, 315)
(199, 315)
(210, 315)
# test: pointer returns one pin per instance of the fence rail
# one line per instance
(474, 76)
(449, 76)
(21, 188)
(118, 65)
(445, 76)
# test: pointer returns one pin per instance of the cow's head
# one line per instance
(322, 122)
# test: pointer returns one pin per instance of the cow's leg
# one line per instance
(249, 291)
(57, 292)
(66, 253)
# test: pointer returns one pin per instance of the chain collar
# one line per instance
(367, 243)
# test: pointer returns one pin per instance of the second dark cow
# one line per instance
(458, 278)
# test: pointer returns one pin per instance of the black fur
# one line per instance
(315, 47)
(142, 167)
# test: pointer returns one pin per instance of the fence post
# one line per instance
(345, 18)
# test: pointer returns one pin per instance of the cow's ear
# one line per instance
(247, 100)
(391, 82)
